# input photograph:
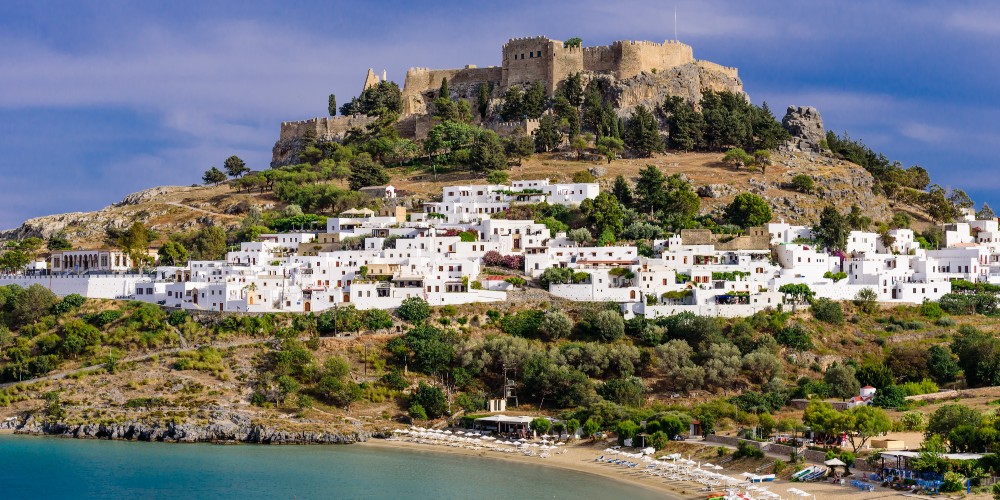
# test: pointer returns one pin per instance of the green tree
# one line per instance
(172, 253)
(803, 183)
(214, 176)
(832, 229)
(892, 396)
(59, 242)
(605, 213)
(622, 191)
(331, 105)
(949, 417)
(382, 99)
(626, 430)
(877, 375)
(555, 325)
(518, 146)
(590, 428)
(610, 147)
(942, 365)
(842, 380)
(487, 152)
(866, 300)
(986, 213)
(540, 425)
(483, 99)
(572, 90)
(748, 210)
(609, 325)
(365, 172)
(651, 190)
(737, 158)
(135, 242)
(235, 167)
(823, 419)
(414, 310)
(208, 243)
(573, 42)
(512, 105)
(498, 177)
(377, 319)
(534, 101)
(864, 423)
(642, 132)
(431, 398)
(547, 135)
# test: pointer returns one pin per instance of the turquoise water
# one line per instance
(38, 467)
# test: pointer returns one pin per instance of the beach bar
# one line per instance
(506, 425)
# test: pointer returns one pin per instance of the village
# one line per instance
(456, 252)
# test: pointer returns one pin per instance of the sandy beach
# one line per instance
(580, 457)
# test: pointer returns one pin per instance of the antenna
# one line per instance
(675, 24)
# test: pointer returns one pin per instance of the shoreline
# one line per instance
(577, 459)
(580, 458)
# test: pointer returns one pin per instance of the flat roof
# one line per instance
(506, 419)
(949, 456)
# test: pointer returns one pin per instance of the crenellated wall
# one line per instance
(328, 128)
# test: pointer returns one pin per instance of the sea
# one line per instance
(48, 467)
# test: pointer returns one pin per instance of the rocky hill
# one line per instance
(170, 209)
(166, 209)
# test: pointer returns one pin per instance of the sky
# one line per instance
(101, 99)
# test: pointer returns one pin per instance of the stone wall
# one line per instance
(462, 83)
(527, 60)
(289, 144)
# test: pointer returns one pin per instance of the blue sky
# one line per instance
(100, 99)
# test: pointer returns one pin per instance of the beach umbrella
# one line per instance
(718, 467)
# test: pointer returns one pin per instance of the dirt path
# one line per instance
(195, 209)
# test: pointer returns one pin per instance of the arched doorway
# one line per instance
(308, 306)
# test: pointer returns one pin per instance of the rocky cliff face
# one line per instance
(806, 127)
(687, 81)
(223, 428)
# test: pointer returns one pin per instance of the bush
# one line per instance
(747, 450)
(417, 412)
(803, 183)
(912, 421)
(795, 336)
(523, 323)
(431, 399)
(931, 310)
(609, 325)
(828, 311)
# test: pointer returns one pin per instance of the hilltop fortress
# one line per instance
(636, 72)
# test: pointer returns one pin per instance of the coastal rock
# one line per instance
(230, 430)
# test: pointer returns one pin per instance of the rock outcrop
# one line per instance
(806, 127)
(687, 81)
(234, 429)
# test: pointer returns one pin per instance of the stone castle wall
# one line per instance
(329, 128)
(539, 59)
(463, 83)
(527, 60)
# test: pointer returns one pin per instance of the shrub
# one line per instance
(828, 311)
(931, 310)
(626, 429)
(747, 450)
(912, 421)
(795, 336)
(431, 399)
(803, 183)
(417, 412)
